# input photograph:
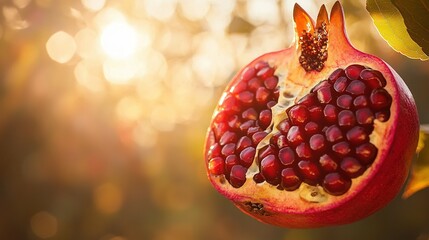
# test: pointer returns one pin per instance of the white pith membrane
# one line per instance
(294, 83)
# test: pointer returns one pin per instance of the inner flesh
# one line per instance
(322, 140)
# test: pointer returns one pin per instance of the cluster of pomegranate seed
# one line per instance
(243, 116)
(324, 141)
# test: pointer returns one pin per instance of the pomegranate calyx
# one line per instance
(312, 41)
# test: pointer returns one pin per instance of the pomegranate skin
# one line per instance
(396, 141)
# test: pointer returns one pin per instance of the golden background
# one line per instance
(104, 107)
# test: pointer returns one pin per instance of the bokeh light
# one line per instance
(93, 5)
(119, 40)
(61, 47)
(104, 107)
(44, 225)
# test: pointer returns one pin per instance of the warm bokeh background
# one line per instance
(104, 107)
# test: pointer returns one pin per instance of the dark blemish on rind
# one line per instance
(314, 49)
(257, 208)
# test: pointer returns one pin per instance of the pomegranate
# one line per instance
(314, 135)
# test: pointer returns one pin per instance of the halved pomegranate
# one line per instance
(317, 134)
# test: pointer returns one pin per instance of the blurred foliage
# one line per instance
(98, 144)
(419, 178)
(416, 19)
(396, 25)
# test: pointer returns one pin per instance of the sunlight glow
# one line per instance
(119, 40)
(61, 47)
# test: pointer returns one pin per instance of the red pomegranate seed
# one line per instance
(267, 150)
(228, 149)
(364, 116)
(234, 122)
(335, 75)
(344, 101)
(246, 125)
(257, 137)
(317, 142)
(298, 114)
(265, 72)
(254, 84)
(260, 65)
(372, 78)
(353, 71)
(239, 87)
(327, 163)
(250, 114)
(265, 118)
(309, 171)
(303, 151)
(336, 184)
(243, 143)
(271, 82)
(286, 156)
(275, 137)
(316, 113)
(330, 113)
(248, 73)
(380, 99)
(214, 151)
(290, 181)
(221, 116)
(308, 100)
(247, 155)
(341, 84)
(229, 103)
(237, 176)
(271, 104)
(245, 97)
(346, 118)
(311, 128)
(258, 178)
(270, 169)
(341, 149)
(276, 93)
(320, 85)
(262, 95)
(228, 137)
(333, 133)
(324, 94)
(360, 101)
(351, 167)
(230, 161)
(282, 141)
(253, 130)
(216, 166)
(382, 116)
(356, 87)
(284, 126)
(366, 153)
(294, 136)
(357, 135)
(219, 129)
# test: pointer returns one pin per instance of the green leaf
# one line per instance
(416, 18)
(420, 170)
(390, 24)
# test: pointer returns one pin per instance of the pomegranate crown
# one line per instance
(312, 38)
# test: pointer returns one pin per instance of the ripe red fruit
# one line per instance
(314, 135)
